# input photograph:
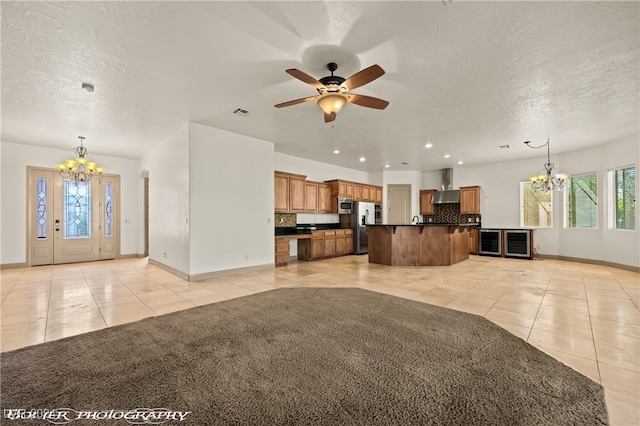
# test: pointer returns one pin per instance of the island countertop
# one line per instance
(431, 244)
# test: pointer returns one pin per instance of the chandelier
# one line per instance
(549, 180)
(80, 169)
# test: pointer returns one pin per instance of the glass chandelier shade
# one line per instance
(80, 169)
(549, 180)
(331, 102)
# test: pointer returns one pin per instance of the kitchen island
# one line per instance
(419, 245)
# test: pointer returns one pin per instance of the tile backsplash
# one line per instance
(450, 213)
(285, 219)
(292, 219)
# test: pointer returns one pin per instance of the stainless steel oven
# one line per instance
(345, 206)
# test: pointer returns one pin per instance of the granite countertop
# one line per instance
(304, 228)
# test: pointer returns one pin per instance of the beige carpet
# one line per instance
(305, 356)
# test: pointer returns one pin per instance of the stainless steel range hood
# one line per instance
(447, 195)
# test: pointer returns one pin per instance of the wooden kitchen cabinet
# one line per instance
(469, 200)
(348, 241)
(325, 244)
(282, 251)
(473, 240)
(345, 189)
(378, 198)
(289, 191)
(354, 191)
(296, 193)
(340, 242)
(357, 192)
(426, 195)
(317, 245)
(366, 193)
(311, 197)
(324, 198)
(281, 187)
(329, 243)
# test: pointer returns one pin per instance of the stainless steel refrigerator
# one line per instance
(364, 214)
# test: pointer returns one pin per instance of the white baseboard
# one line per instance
(213, 274)
(591, 262)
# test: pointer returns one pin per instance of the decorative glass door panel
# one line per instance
(71, 221)
(76, 234)
(77, 209)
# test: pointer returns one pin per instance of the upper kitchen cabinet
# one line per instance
(317, 197)
(311, 197)
(378, 199)
(324, 198)
(289, 191)
(426, 207)
(469, 200)
(296, 193)
(281, 189)
(345, 189)
(354, 191)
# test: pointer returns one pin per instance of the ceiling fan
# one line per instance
(333, 90)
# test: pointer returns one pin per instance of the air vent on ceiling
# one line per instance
(404, 163)
(241, 112)
(504, 147)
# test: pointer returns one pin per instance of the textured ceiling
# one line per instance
(465, 76)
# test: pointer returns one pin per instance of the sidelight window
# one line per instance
(41, 203)
(108, 210)
(622, 213)
(536, 207)
(582, 201)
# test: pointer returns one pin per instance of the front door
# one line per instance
(71, 221)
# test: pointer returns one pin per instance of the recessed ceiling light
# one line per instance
(88, 87)
(387, 166)
(447, 156)
(363, 159)
(336, 151)
(429, 145)
(460, 162)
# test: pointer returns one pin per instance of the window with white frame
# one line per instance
(622, 211)
(581, 200)
(536, 207)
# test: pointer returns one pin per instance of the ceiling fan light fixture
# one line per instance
(331, 102)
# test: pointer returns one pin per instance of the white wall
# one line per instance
(612, 245)
(315, 170)
(13, 222)
(168, 167)
(231, 199)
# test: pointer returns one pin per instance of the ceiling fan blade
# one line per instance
(363, 77)
(295, 102)
(329, 117)
(368, 101)
(304, 77)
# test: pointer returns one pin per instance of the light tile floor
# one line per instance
(583, 315)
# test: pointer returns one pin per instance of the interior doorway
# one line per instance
(399, 204)
(70, 221)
